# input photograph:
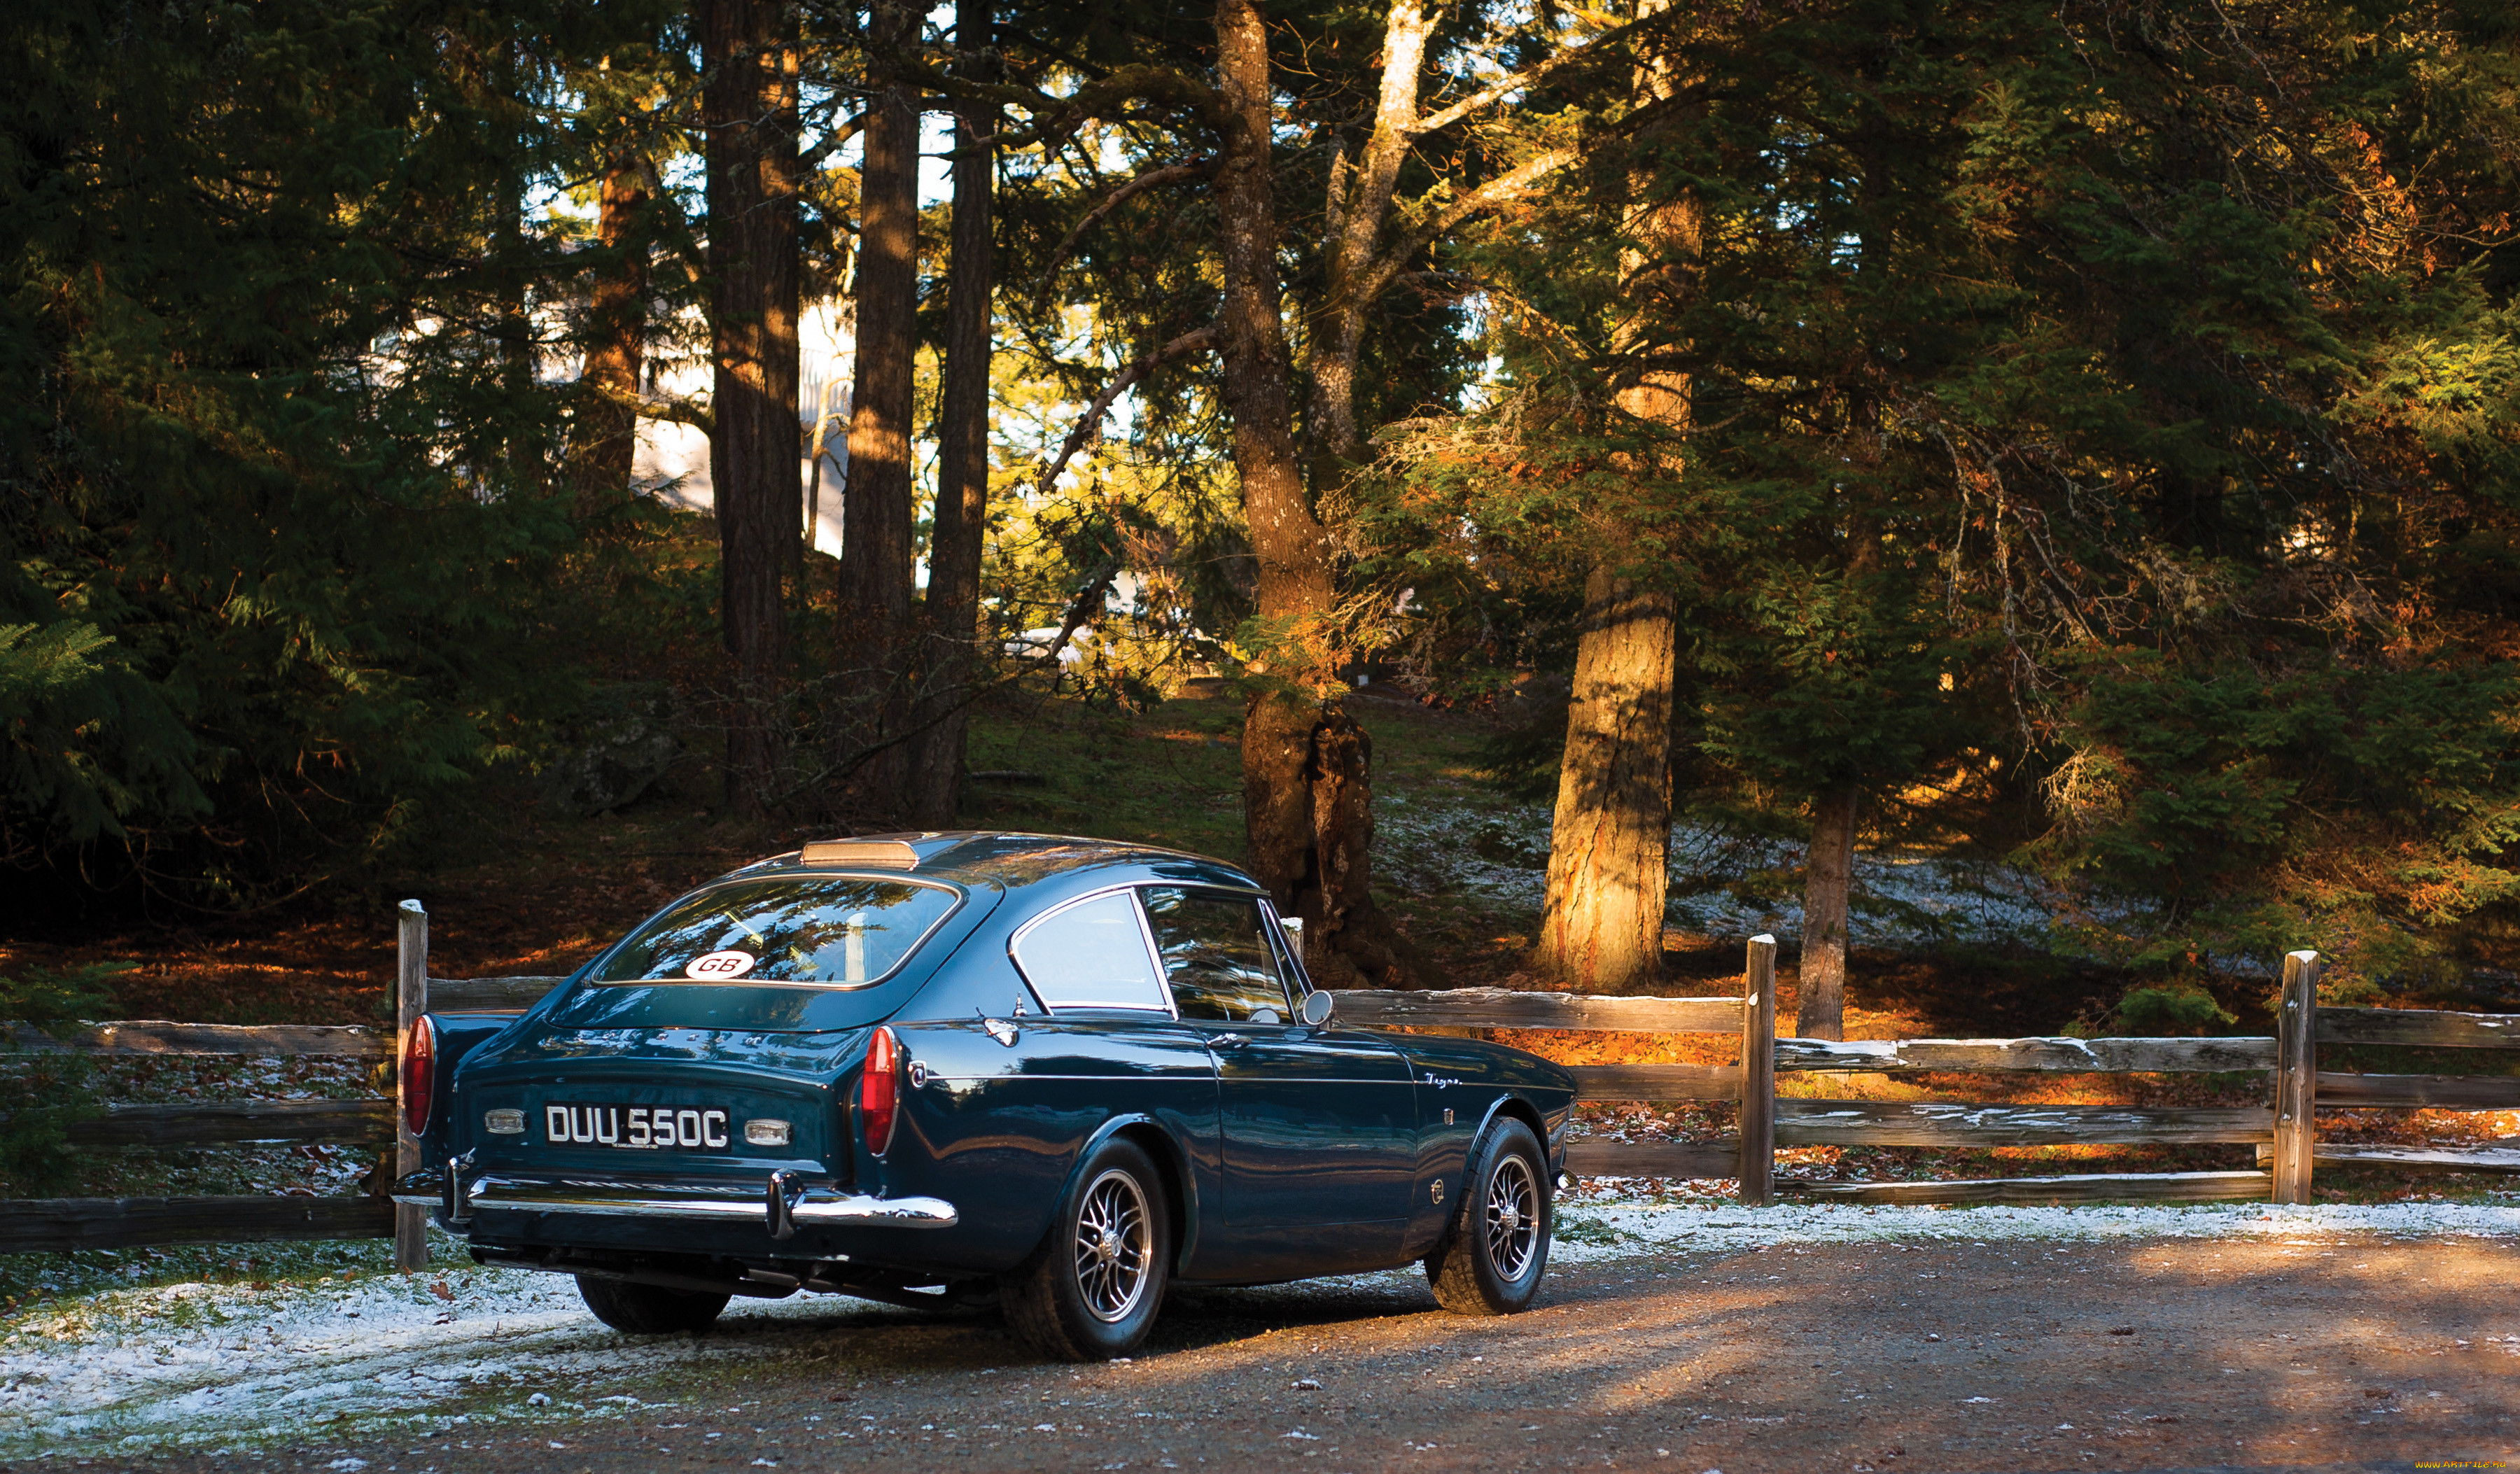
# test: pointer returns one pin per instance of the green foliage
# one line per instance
(279, 528)
(2153, 1012)
(41, 1095)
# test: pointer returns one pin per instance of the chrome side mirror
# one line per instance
(1318, 1007)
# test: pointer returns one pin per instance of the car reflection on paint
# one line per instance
(1062, 1075)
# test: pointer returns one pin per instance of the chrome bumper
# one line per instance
(812, 1207)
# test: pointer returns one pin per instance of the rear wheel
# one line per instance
(1091, 1291)
(649, 1309)
(1491, 1262)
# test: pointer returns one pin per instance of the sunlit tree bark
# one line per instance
(1601, 927)
(876, 553)
(962, 451)
(749, 48)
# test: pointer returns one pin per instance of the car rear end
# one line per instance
(660, 1121)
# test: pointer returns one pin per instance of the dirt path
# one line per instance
(2159, 1353)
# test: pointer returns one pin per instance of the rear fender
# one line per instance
(450, 1128)
(1181, 1184)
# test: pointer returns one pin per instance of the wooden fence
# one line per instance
(2281, 1131)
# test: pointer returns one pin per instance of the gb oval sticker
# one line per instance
(719, 966)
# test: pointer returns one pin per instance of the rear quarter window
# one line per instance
(1091, 954)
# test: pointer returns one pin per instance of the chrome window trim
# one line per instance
(1290, 961)
(1145, 939)
(1268, 909)
(889, 877)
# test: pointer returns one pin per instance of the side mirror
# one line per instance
(1318, 1007)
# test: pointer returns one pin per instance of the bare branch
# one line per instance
(1514, 182)
(1514, 82)
(1154, 179)
(1089, 428)
(691, 412)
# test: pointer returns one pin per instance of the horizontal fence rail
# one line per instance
(156, 1036)
(2056, 1056)
(2050, 1192)
(2418, 1026)
(35, 1224)
(2286, 1150)
(1509, 1009)
(1937, 1123)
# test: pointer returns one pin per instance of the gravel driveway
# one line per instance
(2315, 1349)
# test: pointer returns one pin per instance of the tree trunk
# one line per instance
(876, 552)
(748, 53)
(1602, 929)
(1305, 782)
(616, 331)
(1828, 875)
(962, 519)
(1608, 868)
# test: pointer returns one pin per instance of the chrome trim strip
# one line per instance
(817, 1206)
(1184, 1078)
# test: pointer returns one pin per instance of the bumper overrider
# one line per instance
(781, 1207)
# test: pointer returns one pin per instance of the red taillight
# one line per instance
(418, 1074)
(880, 1090)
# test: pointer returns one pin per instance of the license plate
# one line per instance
(637, 1128)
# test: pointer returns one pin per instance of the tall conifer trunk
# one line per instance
(962, 451)
(1608, 868)
(1828, 877)
(1305, 761)
(606, 422)
(749, 104)
(876, 556)
(1601, 931)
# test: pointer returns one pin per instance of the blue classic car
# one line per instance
(940, 1068)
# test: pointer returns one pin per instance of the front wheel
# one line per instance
(1091, 1291)
(1491, 1262)
(649, 1309)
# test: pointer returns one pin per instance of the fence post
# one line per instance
(411, 1000)
(2296, 1076)
(1759, 1072)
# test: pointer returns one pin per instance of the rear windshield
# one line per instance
(830, 931)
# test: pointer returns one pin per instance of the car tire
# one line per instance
(649, 1309)
(1092, 1290)
(1491, 1262)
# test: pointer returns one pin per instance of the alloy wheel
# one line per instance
(1116, 1243)
(1512, 1216)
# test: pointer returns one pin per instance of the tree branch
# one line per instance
(1153, 179)
(1516, 81)
(697, 416)
(1505, 186)
(1089, 428)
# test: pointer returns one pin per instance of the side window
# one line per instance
(1090, 955)
(1217, 955)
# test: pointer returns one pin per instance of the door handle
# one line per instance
(1228, 1041)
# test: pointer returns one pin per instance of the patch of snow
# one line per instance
(1616, 1230)
(1499, 853)
(199, 1366)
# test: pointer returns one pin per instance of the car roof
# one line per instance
(1010, 860)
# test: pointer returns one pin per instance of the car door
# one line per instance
(1005, 1103)
(1319, 1125)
